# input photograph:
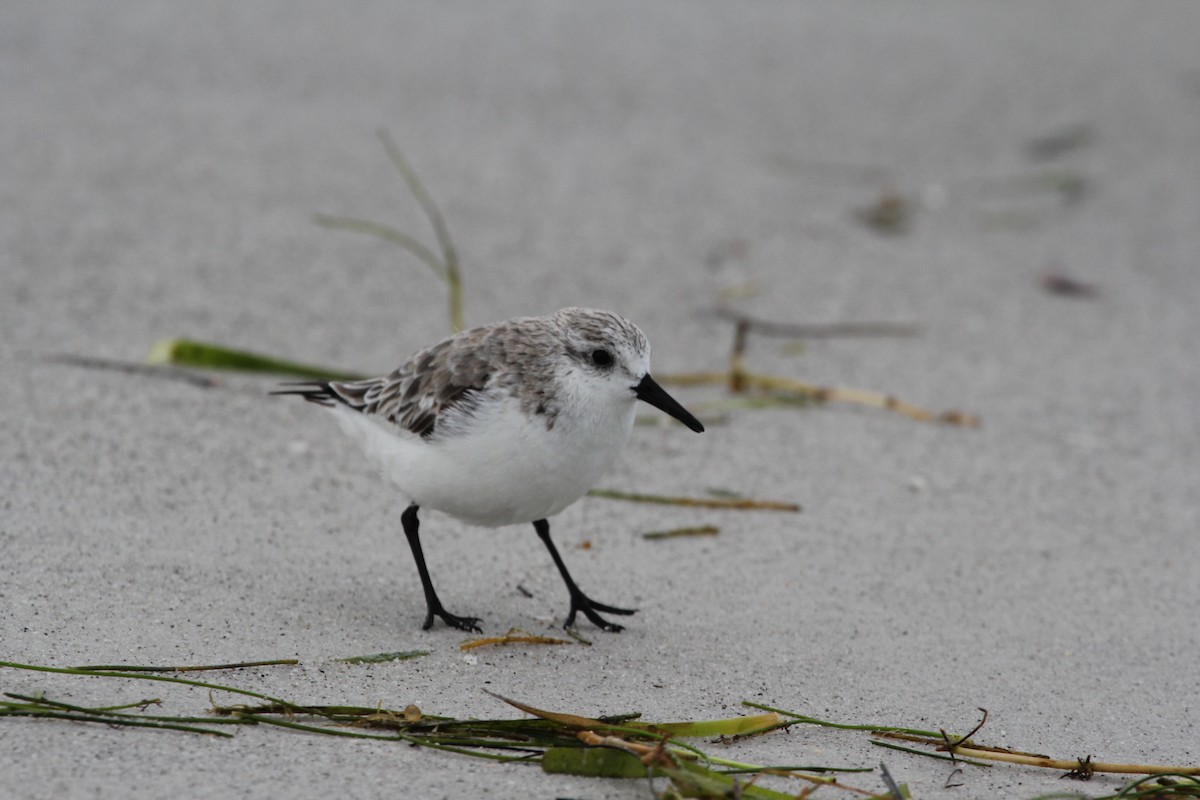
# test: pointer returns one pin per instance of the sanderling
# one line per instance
(503, 424)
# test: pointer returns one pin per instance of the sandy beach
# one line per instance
(1017, 182)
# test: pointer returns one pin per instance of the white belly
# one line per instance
(508, 469)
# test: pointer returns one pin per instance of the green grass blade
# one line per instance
(328, 731)
(927, 754)
(592, 762)
(674, 533)
(145, 676)
(205, 355)
(111, 721)
(387, 233)
(275, 662)
(807, 720)
(695, 780)
(436, 220)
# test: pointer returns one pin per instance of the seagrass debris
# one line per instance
(562, 738)
(781, 390)
(383, 658)
(674, 533)
(730, 503)
(445, 266)
(514, 636)
(277, 662)
(572, 743)
(205, 355)
(964, 746)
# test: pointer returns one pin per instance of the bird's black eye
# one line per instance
(602, 358)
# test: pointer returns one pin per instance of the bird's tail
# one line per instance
(320, 392)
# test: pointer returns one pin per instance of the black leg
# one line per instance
(434, 606)
(579, 600)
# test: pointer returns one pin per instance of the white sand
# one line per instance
(162, 166)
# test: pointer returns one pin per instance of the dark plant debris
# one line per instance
(891, 214)
(1061, 141)
(382, 658)
(1063, 285)
(674, 533)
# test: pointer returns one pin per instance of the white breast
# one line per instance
(506, 468)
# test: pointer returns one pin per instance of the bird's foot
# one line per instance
(580, 602)
(469, 624)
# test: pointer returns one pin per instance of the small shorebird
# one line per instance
(503, 424)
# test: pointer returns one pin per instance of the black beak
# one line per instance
(656, 396)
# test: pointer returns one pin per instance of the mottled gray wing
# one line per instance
(445, 376)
